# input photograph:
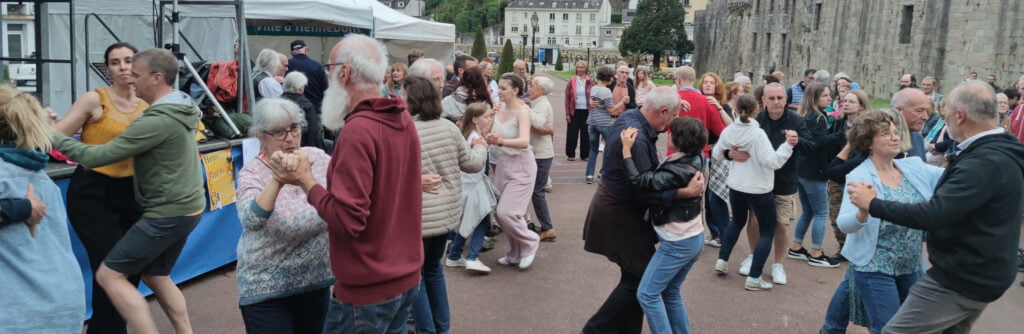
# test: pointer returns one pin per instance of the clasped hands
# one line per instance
(861, 194)
(292, 168)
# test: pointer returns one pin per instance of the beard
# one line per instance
(335, 107)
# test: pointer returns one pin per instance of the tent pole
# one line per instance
(209, 94)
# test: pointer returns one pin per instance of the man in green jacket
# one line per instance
(168, 185)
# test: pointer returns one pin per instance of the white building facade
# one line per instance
(17, 33)
(561, 23)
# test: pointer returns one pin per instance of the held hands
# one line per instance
(51, 115)
(738, 156)
(292, 168)
(628, 137)
(494, 138)
(861, 194)
(431, 183)
(38, 211)
(791, 137)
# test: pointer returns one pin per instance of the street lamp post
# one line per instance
(522, 52)
(535, 25)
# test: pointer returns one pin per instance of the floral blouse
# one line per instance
(898, 251)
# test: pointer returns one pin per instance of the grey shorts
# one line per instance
(151, 246)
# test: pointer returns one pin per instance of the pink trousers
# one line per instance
(514, 178)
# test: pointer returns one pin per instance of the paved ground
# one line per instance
(566, 284)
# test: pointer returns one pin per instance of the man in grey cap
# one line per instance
(312, 69)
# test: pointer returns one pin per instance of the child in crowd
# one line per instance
(679, 225)
(477, 197)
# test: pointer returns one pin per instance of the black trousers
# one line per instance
(621, 312)
(577, 134)
(101, 209)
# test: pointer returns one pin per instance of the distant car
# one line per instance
(23, 76)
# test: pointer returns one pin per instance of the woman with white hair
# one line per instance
(268, 67)
(542, 129)
(312, 133)
(284, 273)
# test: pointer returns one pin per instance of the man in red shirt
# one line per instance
(699, 107)
(373, 201)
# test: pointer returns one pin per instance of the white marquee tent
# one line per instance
(212, 30)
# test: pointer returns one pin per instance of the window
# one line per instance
(551, 29)
(15, 38)
(755, 42)
(552, 41)
(593, 17)
(907, 24)
(565, 30)
(401, 5)
(757, 6)
(608, 32)
(551, 16)
(567, 41)
(768, 44)
(515, 29)
(579, 30)
(591, 30)
(785, 50)
(771, 3)
(817, 16)
(579, 17)
(565, 16)
(525, 29)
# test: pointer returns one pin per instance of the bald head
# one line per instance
(970, 109)
(914, 105)
(685, 76)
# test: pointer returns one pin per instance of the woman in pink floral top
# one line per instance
(284, 274)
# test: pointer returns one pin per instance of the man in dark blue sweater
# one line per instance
(972, 220)
(312, 69)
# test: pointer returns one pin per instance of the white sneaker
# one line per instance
(601, 148)
(778, 274)
(548, 186)
(504, 261)
(756, 284)
(477, 266)
(745, 265)
(713, 243)
(525, 262)
(721, 267)
(461, 262)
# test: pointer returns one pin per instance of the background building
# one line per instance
(874, 41)
(17, 34)
(562, 23)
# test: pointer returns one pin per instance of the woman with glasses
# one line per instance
(885, 259)
(284, 273)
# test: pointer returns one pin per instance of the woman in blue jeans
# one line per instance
(679, 225)
(750, 186)
(812, 187)
(599, 122)
(478, 198)
(885, 259)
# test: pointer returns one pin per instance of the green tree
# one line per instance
(558, 63)
(657, 27)
(479, 45)
(508, 58)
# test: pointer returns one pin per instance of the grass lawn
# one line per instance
(877, 104)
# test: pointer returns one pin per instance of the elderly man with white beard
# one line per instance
(373, 197)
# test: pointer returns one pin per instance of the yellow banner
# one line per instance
(220, 178)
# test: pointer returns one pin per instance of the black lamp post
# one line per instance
(533, 46)
(522, 52)
(588, 55)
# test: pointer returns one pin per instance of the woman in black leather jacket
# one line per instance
(678, 224)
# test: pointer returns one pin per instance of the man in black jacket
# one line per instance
(317, 76)
(972, 220)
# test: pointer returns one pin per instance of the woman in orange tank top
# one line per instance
(101, 199)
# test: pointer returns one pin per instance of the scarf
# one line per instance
(31, 160)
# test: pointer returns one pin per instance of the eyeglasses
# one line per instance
(897, 134)
(327, 67)
(295, 130)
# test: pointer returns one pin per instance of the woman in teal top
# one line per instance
(885, 259)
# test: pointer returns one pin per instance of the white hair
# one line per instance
(902, 98)
(268, 61)
(742, 80)
(275, 114)
(736, 76)
(622, 67)
(294, 82)
(662, 98)
(519, 62)
(841, 75)
(545, 84)
(366, 57)
(977, 98)
(822, 76)
(424, 67)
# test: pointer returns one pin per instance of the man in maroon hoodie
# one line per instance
(373, 201)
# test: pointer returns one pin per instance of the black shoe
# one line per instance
(494, 231)
(822, 261)
(533, 227)
(838, 258)
(799, 254)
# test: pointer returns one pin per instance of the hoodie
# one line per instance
(168, 176)
(757, 174)
(373, 204)
(972, 220)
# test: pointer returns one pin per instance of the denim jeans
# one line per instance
(476, 241)
(596, 133)
(882, 295)
(430, 306)
(539, 200)
(837, 315)
(659, 288)
(764, 209)
(814, 204)
(717, 214)
(386, 317)
(298, 313)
